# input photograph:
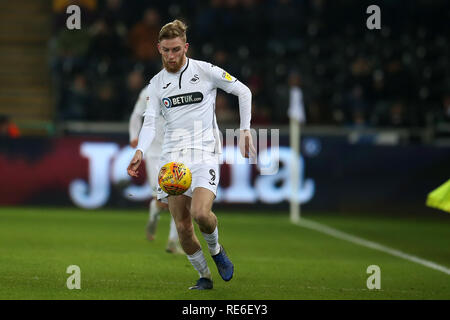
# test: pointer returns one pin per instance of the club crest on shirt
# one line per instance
(195, 79)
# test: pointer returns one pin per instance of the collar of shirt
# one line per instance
(179, 73)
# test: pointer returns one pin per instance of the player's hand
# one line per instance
(246, 144)
(134, 164)
(134, 143)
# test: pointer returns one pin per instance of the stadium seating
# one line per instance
(25, 83)
(353, 77)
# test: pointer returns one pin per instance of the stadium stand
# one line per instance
(25, 83)
(397, 77)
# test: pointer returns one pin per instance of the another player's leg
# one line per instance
(173, 244)
(156, 207)
(201, 205)
(179, 209)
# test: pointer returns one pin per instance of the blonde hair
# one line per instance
(173, 29)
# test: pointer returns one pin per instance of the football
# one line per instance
(174, 178)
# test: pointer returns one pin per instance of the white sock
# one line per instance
(173, 234)
(199, 262)
(154, 210)
(213, 241)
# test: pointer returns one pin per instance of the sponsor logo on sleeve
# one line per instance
(227, 76)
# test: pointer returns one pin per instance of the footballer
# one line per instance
(185, 93)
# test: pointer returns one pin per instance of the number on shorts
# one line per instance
(213, 177)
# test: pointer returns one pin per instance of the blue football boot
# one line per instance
(202, 284)
(224, 265)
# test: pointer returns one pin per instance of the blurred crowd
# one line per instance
(398, 76)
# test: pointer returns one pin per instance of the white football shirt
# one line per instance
(186, 100)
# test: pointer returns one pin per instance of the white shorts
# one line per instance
(204, 168)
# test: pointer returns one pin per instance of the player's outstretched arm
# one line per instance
(135, 126)
(246, 144)
(230, 84)
(135, 123)
(245, 104)
(148, 130)
(134, 164)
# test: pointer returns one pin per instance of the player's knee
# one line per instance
(201, 215)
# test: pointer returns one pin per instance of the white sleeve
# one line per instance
(137, 115)
(223, 80)
(148, 129)
(245, 103)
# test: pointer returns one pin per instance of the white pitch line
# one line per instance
(369, 244)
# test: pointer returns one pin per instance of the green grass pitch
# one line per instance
(273, 258)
